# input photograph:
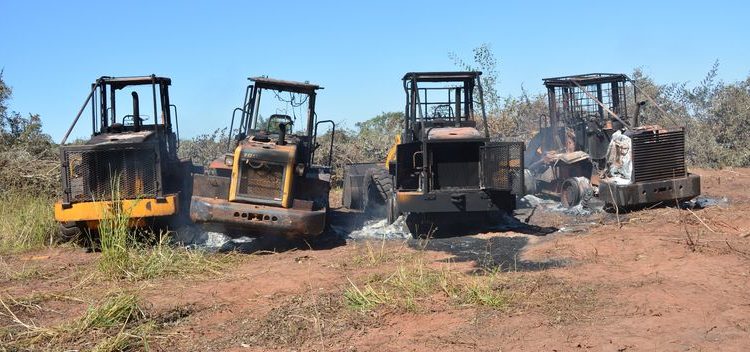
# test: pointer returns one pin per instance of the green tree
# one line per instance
(28, 157)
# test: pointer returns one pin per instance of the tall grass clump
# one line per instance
(117, 323)
(26, 221)
(115, 237)
(133, 253)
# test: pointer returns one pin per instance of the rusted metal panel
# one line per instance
(658, 154)
(211, 186)
(99, 172)
(650, 192)
(502, 166)
(258, 219)
(455, 202)
(452, 133)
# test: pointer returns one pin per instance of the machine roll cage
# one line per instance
(104, 116)
(250, 112)
(460, 106)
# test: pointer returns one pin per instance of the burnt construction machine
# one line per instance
(131, 158)
(443, 169)
(592, 144)
(269, 182)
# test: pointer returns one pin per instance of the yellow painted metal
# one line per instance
(392, 151)
(235, 174)
(286, 197)
(135, 208)
(404, 196)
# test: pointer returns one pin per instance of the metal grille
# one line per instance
(455, 165)
(575, 105)
(658, 155)
(503, 166)
(261, 180)
(93, 175)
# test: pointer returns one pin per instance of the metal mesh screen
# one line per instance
(574, 104)
(261, 181)
(503, 166)
(94, 175)
(658, 156)
(455, 165)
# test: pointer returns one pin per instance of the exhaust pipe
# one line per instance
(282, 134)
(638, 112)
(136, 113)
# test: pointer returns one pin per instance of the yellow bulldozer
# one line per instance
(269, 181)
(130, 161)
(444, 170)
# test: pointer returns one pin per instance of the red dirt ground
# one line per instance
(660, 279)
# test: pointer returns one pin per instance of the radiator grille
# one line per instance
(658, 156)
(261, 180)
(503, 166)
(94, 175)
(455, 165)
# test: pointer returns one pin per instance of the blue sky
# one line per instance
(52, 50)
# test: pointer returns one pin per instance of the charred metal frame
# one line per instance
(104, 106)
(414, 118)
(579, 100)
(597, 104)
(146, 147)
(462, 88)
(250, 111)
(303, 213)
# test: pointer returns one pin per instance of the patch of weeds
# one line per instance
(365, 298)
(412, 287)
(133, 254)
(480, 292)
(371, 255)
(404, 289)
(117, 323)
(378, 253)
(26, 221)
(23, 274)
(303, 320)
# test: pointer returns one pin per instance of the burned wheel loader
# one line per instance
(130, 158)
(269, 181)
(443, 169)
(592, 145)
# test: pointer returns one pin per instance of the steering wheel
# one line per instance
(274, 117)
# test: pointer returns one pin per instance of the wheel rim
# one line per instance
(570, 195)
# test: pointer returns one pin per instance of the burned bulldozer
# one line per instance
(592, 145)
(129, 163)
(443, 169)
(269, 181)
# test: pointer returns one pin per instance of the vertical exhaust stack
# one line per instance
(136, 113)
(637, 116)
(282, 134)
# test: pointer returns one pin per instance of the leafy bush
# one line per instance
(28, 157)
(204, 148)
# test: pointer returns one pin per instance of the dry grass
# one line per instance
(116, 323)
(127, 255)
(417, 287)
(375, 253)
(139, 261)
(303, 320)
(26, 222)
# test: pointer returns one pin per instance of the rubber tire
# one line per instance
(392, 209)
(379, 191)
(69, 231)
